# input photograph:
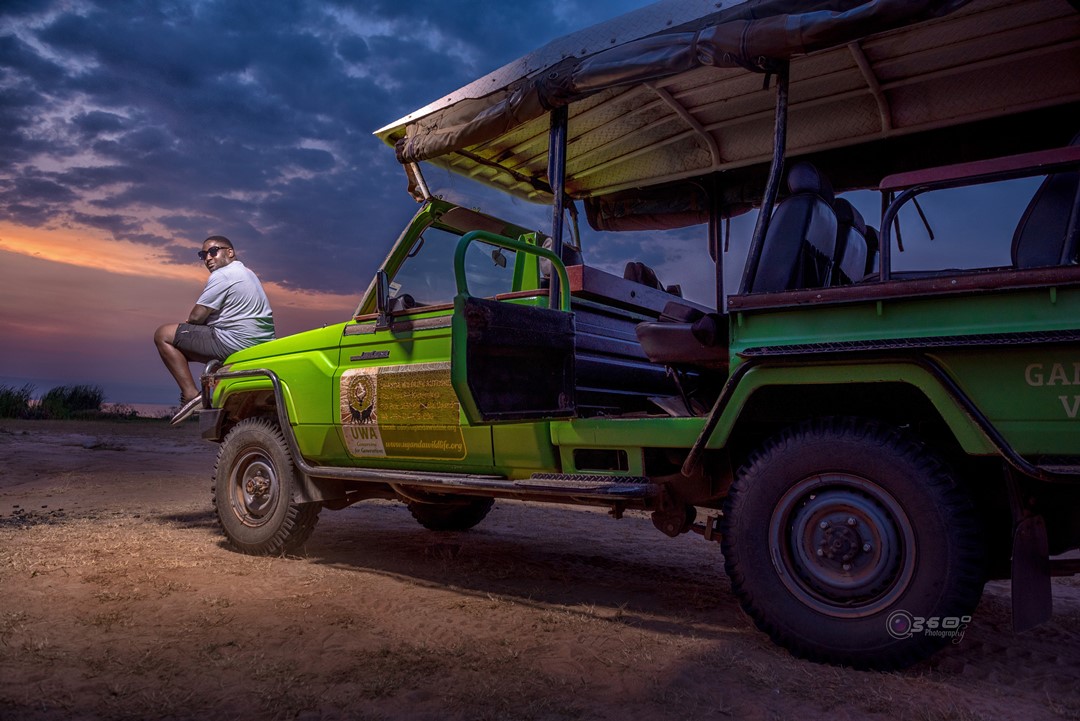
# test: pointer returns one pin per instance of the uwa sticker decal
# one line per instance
(402, 411)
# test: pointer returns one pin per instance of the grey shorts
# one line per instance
(200, 340)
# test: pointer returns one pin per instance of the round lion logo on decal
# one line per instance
(359, 396)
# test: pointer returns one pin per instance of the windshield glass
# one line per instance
(426, 277)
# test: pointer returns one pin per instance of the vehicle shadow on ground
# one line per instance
(627, 573)
(204, 519)
(542, 557)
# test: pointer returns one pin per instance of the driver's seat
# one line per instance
(801, 241)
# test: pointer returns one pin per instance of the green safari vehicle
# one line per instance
(870, 434)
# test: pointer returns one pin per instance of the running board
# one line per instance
(540, 485)
(627, 487)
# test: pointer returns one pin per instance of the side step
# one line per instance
(549, 485)
(624, 487)
(546, 485)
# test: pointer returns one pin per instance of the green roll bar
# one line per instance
(518, 246)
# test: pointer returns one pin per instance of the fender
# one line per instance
(972, 430)
(972, 438)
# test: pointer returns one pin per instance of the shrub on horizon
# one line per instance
(80, 401)
(15, 402)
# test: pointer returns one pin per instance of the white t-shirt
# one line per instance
(241, 314)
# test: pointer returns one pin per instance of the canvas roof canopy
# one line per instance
(667, 95)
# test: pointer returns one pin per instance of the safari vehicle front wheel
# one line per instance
(849, 542)
(253, 491)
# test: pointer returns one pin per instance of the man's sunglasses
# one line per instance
(212, 251)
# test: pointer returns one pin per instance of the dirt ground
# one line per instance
(119, 599)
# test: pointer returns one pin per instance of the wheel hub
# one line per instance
(255, 489)
(840, 545)
(259, 486)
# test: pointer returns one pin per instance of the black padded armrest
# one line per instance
(701, 344)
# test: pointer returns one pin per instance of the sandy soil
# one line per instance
(119, 599)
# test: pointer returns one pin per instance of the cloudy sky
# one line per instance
(129, 131)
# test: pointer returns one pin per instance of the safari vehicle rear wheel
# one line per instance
(849, 542)
(253, 489)
(458, 515)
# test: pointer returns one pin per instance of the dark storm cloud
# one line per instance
(122, 226)
(47, 194)
(43, 188)
(98, 121)
(19, 60)
(353, 49)
(250, 119)
(23, 7)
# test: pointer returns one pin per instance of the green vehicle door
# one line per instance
(395, 398)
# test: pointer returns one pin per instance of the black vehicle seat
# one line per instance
(799, 245)
(1043, 237)
(850, 260)
(638, 272)
(685, 337)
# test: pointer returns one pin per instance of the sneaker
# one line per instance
(186, 410)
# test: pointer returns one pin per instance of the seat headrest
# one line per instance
(805, 178)
(641, 273)
(848, 214)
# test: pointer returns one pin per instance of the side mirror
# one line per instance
(382, 298)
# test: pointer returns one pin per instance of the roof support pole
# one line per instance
(557, 178)
(772, 187)
(716, 236)
(872, 82)
(691, 465)
(418, 187)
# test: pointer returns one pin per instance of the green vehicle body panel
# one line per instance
(418, 416)
(306, 363)
(682, 432)
(1032, 396)
(1030, 393)
(967, 434)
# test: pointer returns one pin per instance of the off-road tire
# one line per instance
(858, 492)
(451, 516)
(254, 480)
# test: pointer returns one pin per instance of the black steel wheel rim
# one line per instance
(842, 545)
(255, 488)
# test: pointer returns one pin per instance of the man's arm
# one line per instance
(199, 314)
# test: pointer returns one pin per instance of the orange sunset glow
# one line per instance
(128, 135)
(76, 308)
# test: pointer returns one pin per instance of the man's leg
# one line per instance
(177, 360)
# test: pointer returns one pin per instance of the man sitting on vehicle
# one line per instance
(232, 313)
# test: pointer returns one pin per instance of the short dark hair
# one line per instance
(221, 240)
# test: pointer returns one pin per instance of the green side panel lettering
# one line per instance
(1031, 395)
